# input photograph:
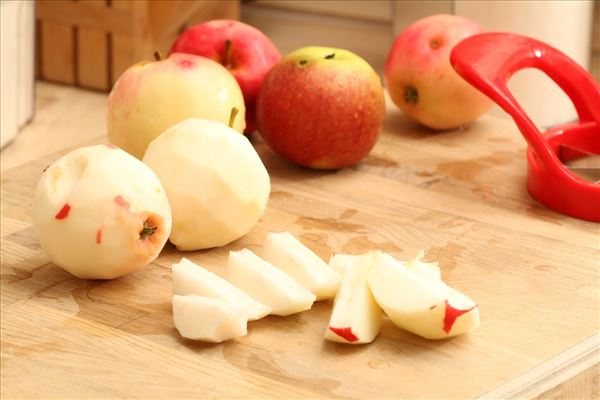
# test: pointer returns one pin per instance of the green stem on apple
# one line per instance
(158, 56)
(147, 231)
(234, 113)
(227, 55)
(411, 95)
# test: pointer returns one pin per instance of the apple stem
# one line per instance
(227, 55)
(329, 56)
(158, 56)
(147, 231)
(411, 95)
(234, 113)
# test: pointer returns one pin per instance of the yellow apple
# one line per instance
(152, 96)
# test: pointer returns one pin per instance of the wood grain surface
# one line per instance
(459, 195)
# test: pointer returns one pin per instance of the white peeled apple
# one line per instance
(267, 284)
(191, 279)
(419, 302)
(356, 317)
(217, 185)
(100, 213)
(208, 320)
(287, 253)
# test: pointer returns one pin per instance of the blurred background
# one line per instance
(89, 43)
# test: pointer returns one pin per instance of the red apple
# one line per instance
(244, 50)
(421, 80)
(321, 107)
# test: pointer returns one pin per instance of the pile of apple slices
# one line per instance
(290, 278)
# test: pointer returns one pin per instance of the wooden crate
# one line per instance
(90, 43)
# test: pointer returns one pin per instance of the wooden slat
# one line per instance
(57, 52)
(86, 15)
(373, 10)
(127, 49)
(596, 28)
(92, 55)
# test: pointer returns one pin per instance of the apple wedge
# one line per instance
(287, 253)
(419, 302)
(429, 270)
(267, 284)
(356, 317)
(190, 278)
(339, 261)
(208, 320)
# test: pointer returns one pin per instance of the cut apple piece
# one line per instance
(208, 320)
(356, 317)
(339, 261)
(420, 303)
(267, 284)
(430, 270)
(287, 253)
(189, 278)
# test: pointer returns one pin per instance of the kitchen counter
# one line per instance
(459, 195)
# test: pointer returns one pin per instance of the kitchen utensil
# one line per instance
(487, 61)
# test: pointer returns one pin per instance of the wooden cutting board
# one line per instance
(458, 195)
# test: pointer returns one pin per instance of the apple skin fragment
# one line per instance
(451, 314)
(345, 333)
(63, 212)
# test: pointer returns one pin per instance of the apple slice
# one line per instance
(208, 320)
(356, 317)
(267, 284)
(189, 278)
(430, 270)
(287, 253)
(339, 261)
(420, 303)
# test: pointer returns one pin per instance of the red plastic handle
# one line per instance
(488, 60)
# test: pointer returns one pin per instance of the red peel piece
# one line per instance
(64, 212)
(99, 236)
(122, 202)
(111, 146)
(346, 333)
(451, 315)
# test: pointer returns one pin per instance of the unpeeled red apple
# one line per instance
(100, 213)
(152, 96)
(244, 50)
(321, 108)
(420, 79)
(217, 185)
